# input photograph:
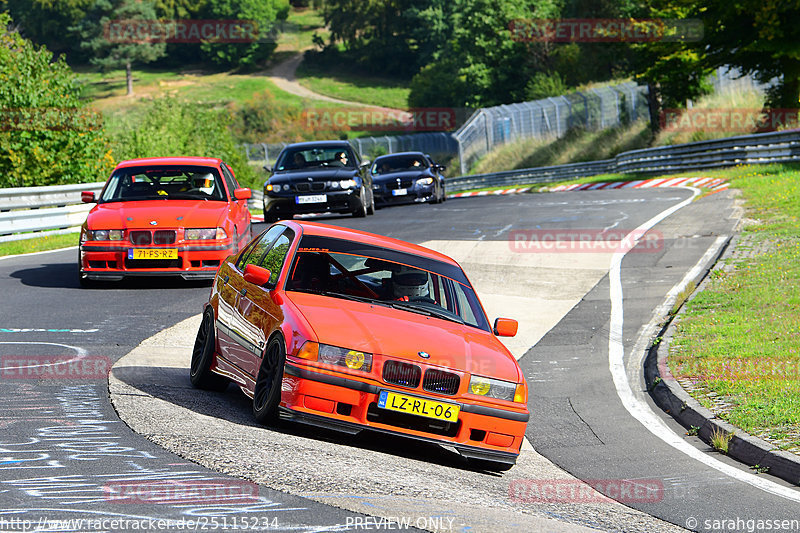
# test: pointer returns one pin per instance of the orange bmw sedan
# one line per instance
(350, 331)
(164, 216)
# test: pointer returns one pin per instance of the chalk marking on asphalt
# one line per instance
(80, 351)
(636, 406)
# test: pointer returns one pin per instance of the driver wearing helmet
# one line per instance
(203, 182)
(407, 284)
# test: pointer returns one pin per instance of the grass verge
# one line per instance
(738, 340)
(38, 244)
(336, 82)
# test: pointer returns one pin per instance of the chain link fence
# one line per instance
(593, 109)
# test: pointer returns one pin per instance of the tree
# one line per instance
(760, 37)
(123, 46)
(482, 63)
(170, 127)
(265, 14)
(44, 22)
(673, 67)
(47, 136)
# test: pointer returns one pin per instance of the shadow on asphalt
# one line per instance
(172, 385)
(65, 276)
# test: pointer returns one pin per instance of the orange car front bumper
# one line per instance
(482, 431)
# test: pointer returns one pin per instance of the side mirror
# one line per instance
(87, 197)
(365, 163)
(441, 168)
(242, 194)
(505, 327)
(257, 275)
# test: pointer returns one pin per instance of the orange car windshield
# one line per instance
(164, 183)
(380, 275)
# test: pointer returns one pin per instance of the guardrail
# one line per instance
(780, 147)
(25, 211)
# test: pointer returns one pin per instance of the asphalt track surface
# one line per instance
(65, 454)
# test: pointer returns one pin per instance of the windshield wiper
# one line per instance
(430, 310)
(334, 294)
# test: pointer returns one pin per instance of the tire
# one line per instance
(444, 194)
(267, 391)
(83, 282)
(361, 210)
(269, 218)
(200, 373)
(371, 207)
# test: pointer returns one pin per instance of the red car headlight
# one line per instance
(205, 234)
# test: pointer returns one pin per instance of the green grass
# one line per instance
(38, 244)
(300, 27)
(740, 337)
(576, 146)
(335, 82)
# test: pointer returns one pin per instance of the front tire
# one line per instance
(361, 210)
(200, 373)
(371, 207)
(267, 391)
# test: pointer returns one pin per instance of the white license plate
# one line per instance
(399, 192)
(312, 199)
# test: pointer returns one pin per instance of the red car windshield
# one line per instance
(350, 270)
(164, 183)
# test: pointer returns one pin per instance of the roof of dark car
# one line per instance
(400, 154)
(314, 144)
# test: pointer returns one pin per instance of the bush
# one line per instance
(47, 136)
(167, 127)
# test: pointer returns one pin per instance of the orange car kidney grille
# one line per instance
(403, 374)
(441, 381)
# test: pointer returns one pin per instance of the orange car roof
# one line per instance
(170, 161)
(326, 230)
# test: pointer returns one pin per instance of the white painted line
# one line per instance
(637, 406)
(38, 253)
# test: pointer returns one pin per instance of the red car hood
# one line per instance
(168, 214)
(401, 334)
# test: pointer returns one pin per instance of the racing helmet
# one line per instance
(409, 283)
(203, 181)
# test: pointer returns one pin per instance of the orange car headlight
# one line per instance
(494, 388)
(352, 359)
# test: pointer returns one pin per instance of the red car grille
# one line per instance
(403, 374)
(441, 381)
(140, 238)
(163, 236)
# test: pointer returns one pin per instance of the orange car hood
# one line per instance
(401, 334)
(168, 214)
